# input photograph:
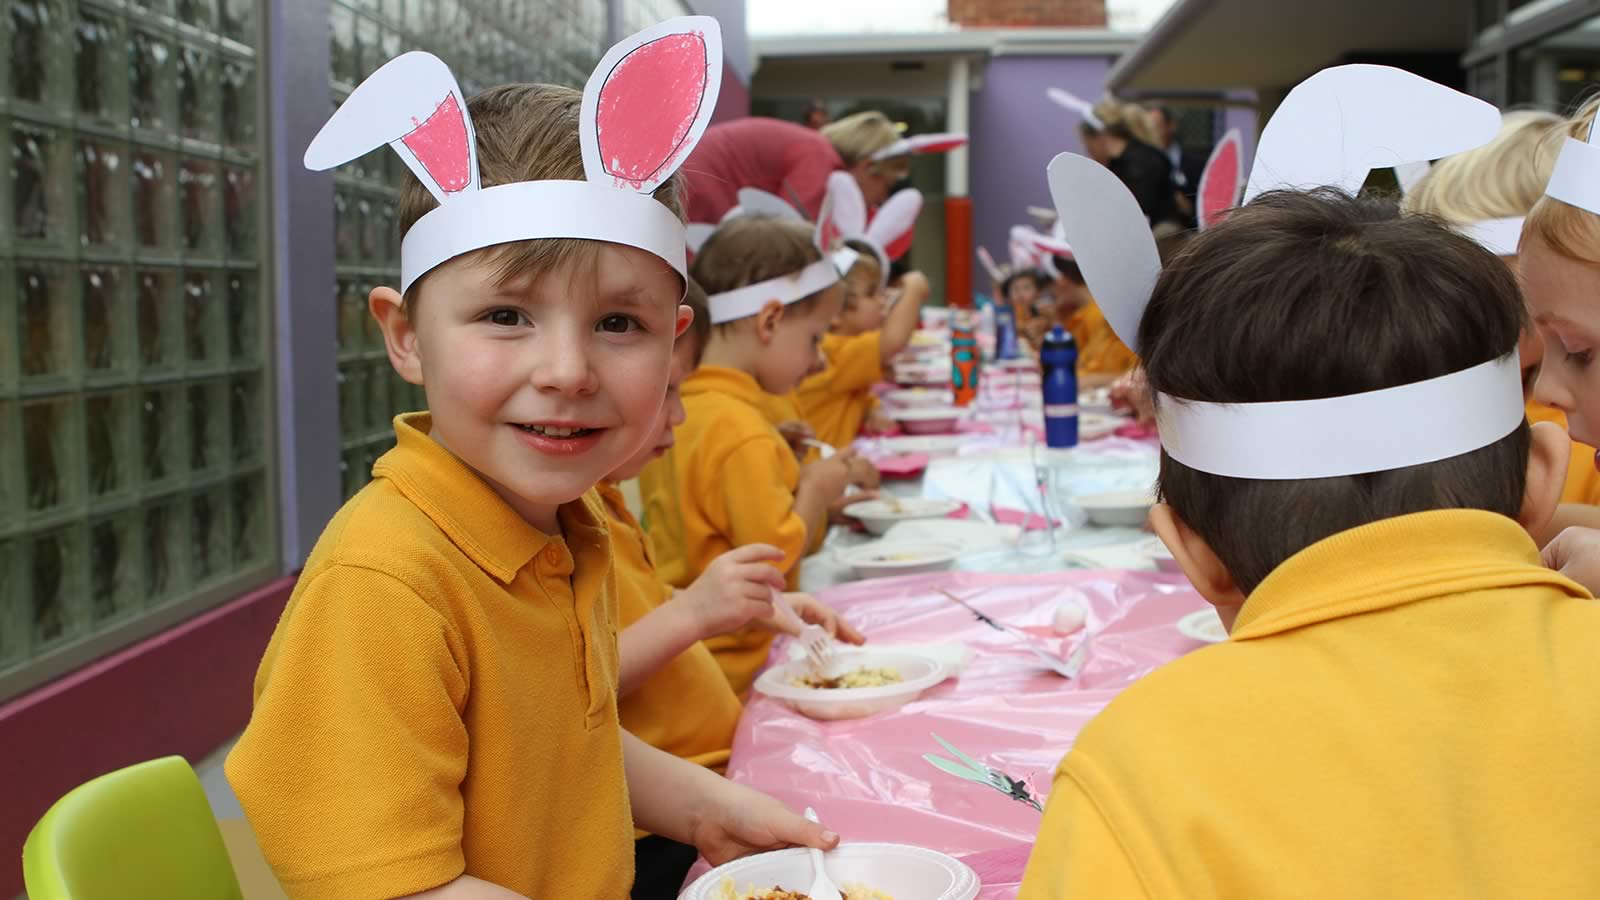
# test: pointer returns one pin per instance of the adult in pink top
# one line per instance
(789, 160)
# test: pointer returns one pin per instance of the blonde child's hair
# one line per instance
(1128, 121)
(1568, 230)
(866, 269)
(525, 132)
(746, 250)
(1499, 180)
(858, 136)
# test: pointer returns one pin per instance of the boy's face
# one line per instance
(1560, 295)
(864, 313)
(545, 384)
(671, 416)
(793, 344)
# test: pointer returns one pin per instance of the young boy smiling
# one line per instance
(436, 713)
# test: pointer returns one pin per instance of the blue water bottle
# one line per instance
(1058, 357)
(1005, 320)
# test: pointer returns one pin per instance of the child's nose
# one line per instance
(1551, 390)
(565, 369)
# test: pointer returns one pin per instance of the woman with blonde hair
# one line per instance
(790, 160)
(1486, 193)
(1118, 136)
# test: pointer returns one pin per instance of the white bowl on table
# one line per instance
(1092, 426)
(896, 870)
(929, 419)
(1127, 509)
(889, 558)
(918, 398)
(881, 515)
(918, 672)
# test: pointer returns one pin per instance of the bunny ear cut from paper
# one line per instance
(1338, 125)
(643, 111)
(942, 142)
(413, 104)
(893, 226)
(756, 202)
(1068, 100)
(1222, 179)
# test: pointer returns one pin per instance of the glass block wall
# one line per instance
(134, 420)
(485, 42)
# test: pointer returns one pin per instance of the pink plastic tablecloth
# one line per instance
(867, 778)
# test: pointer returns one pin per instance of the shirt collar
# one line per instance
(1394, 562)
(468, 510)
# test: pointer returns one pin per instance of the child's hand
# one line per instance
(735, 821)
(836, 509)
(1575, 553)
(1132, 391)
(736, 588)
(828, 477)
(814, 612)
(795, 434)
(863, 474)
(879, 422)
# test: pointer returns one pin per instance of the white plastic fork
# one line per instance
(813, 638)
(821, 885)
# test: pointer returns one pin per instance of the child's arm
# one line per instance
(694, 805)
(903, 318)
(1567, 515)
(821, 483)
(736, 588)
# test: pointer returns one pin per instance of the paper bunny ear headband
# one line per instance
(1498, 236)
(923, 143)
(644, 109)
(1222, 180)
(743, 302)
(1082, 107)
(1332, 130)
(1576, 179)
(753, 202)
(844, 217)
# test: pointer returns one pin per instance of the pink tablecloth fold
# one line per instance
(867, 778)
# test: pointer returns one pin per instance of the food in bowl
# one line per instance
(850, 892)
(861, 677)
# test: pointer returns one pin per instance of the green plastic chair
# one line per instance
(141, 833)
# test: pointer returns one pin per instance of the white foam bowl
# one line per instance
(888, 558)
(899, 870)
(918, 398)
(1095, 425)
(918, 673)
(929, 419)
(1117, 508)
(881, 515)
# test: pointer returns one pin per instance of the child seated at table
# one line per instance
(665, 667)
(1102, 357)
(731, 479)
(1486, 192)
(860, 345)
(1408, 704)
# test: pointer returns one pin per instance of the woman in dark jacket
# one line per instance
(1117, 136)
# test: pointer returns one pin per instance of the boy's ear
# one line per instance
(1199, 562)
(685, 317)
(1547, 475)
(399, 335)
(767, 321)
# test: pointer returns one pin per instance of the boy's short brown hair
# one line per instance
(747, 250)
(1301, 296)
(525, 132)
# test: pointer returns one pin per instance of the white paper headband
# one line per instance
(923, 143)
(1331, 130)
(740, 303)
(1082, 107)
(1576, 179)
(644, 109)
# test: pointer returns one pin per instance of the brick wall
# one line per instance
(1028, 13)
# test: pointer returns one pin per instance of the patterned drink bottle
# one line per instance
(963, 361)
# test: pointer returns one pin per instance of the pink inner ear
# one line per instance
(648, 104)
(830, 233)
(440, 144)
(1222, 183)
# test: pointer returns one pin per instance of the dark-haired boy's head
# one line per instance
(1022, 286)
(1301, 296)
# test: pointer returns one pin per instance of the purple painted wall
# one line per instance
(1016, 131)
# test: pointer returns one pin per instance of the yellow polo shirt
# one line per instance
(686, 708)
(1100, 351)
(1583, 481)
(837, 399)
(728, 481)
(439, 697)
(1407, 709)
